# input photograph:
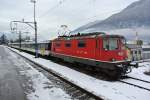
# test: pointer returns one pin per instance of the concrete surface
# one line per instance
(10, 81)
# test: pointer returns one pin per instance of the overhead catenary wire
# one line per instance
(89, 19)
(103, 14)
(52, 8)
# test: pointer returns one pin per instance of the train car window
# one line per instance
(140, 52)
(81, 44)
(46, 46)
(30, 46)
(39, 45)
(33, 46)
(42, 45)
(131, 52)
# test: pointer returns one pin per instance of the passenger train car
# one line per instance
(98, 50)
(43, 47)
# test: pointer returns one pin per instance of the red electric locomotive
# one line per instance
(100, 51)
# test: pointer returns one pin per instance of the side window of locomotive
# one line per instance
(67, 44)
(81, 44)
(106, 44)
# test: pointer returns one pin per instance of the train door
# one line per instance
(110, 49)
(98, 49)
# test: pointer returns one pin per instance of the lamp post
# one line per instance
(35, 29)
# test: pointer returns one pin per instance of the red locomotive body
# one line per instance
(103, 52)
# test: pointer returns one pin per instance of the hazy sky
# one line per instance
(53, 13)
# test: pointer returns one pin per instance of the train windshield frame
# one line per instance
(124, 43)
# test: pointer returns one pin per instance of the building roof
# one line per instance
(133, 46)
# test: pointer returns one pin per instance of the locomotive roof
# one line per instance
(88, 35)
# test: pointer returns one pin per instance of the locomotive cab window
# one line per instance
(81, 44)
(110, 44)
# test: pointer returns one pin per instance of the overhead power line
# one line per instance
(102, 14)
(52, 8)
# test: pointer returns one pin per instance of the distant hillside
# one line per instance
(86, 26)
(135, 15)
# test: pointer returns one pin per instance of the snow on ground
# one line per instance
(42, 88)
(104, 89)
(139, 72)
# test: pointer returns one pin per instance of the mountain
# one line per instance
(135, 15)
(88, 25)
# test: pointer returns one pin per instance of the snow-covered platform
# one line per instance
(10, 88)
(103, 89)
(20, 81)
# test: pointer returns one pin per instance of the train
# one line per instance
(97, 50)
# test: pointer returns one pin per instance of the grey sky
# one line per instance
(53, 13)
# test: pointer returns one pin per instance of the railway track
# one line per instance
(142, 84)
(76, 92)
(139, 83)
(139, 79)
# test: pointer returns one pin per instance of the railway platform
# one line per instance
(19, 80)
(10, 81)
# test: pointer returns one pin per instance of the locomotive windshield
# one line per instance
(110, 43)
